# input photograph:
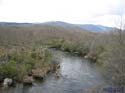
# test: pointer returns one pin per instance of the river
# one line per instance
(77, 75)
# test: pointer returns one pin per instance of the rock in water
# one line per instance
(7, 82)
(28, 80)
(86, 56)
(39, 73)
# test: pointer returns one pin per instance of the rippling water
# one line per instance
(77, 75)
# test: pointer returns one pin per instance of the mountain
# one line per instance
(96, 28)
(60, 24)
(87, 27)
(15, 24)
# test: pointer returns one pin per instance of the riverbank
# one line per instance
(77, 50)
(21, 64)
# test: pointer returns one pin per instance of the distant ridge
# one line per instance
(96, 28)
(87, 27)
(14, 24)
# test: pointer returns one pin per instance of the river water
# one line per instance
(77, 75)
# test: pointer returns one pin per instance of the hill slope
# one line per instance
(87, 27)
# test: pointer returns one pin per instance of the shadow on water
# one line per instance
(77, 75)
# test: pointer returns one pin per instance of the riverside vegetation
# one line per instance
(20, 63)
(105, 49)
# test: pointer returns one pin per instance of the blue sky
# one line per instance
(103, 12)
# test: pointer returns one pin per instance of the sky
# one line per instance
(102, 12)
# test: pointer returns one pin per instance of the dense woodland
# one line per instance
(26, 47)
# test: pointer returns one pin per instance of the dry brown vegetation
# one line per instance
(40, 34)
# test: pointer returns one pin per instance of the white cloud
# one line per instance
(74, 11)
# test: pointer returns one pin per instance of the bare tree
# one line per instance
(120, 31)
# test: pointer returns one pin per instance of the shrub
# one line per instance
(56, 44)
(48, 56)
(8, 70)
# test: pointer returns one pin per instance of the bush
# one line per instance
(8, 70)
(48, 56)
(68, 46)
(56, 44)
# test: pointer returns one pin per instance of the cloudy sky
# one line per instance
(104, 12)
